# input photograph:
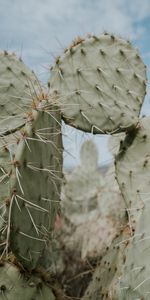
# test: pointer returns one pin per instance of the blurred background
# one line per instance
(39, 31)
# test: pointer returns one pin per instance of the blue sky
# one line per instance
(39, 30)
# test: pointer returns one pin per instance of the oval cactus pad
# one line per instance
(34, 186)
(100, 83)
(18, 88)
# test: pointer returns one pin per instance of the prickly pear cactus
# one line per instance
(33, 186)
(80, 191)
(89, 156)
(18, 89)
(15, 284)
(110, 202)
(95, 209)
(108, 271)
(133, 168)
(131, 278)
(30, 162)
(100, 83)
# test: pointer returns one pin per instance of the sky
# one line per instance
(39, 31)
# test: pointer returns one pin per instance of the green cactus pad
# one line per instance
(15, 284)
(131, 248)
(18, 89)
(133, 169)
(119, 274)
(107, 273)
(110, 201)
(100, 83)
(34, 185)
(135, 279)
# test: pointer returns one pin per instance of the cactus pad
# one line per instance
(14, 284)
(18, 89)
(133, 169)
(100, 83)
(34, 185)
(106, 276)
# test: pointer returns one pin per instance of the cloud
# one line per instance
(41, 23)
(138, 9)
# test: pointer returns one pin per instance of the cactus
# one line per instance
(100, 83)
(98, 86)
(33, 151)
(83, 200)
(15, 284)
(94, 192)
(132, 164)
(95, 211)
(132, 168)
(32, 204)
(131, 280)
(18, 89)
